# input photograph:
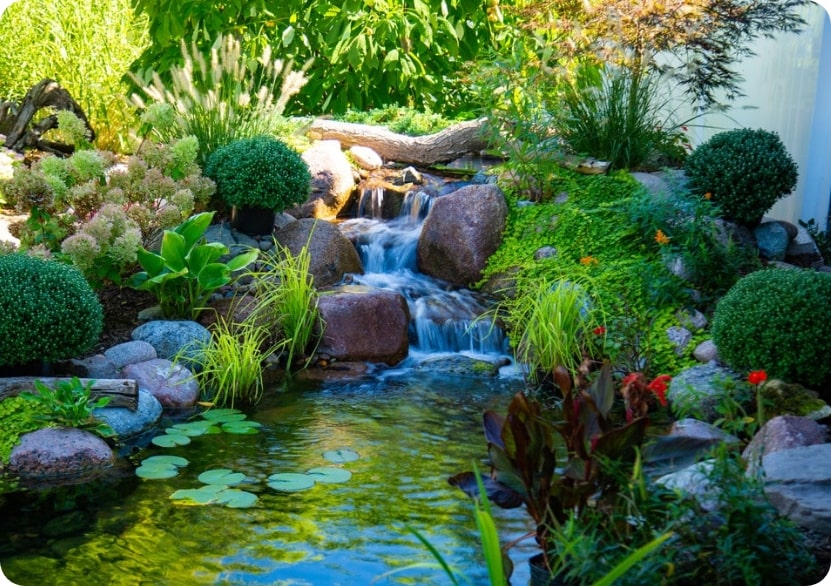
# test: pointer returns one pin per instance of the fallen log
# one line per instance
(449, 144)
(123, 392)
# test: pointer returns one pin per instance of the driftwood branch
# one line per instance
(449, 144)
(16, 121)
(123, 392)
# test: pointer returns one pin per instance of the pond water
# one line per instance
(411, 433)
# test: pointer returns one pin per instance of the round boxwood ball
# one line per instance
(745, 172)
(780, 321)
(48, 311)
(259, 172)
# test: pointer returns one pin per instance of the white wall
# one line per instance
(788, 91)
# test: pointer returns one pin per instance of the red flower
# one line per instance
(599, 330)
(757, 377)
(631, 378)
(659, 387)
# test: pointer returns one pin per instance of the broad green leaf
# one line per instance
(156, 472)
(152, 263)
(288, 36)
(241, 427)
(391, 57)
(177, 461)
(194, 227)
(290, 482)
(214, 276)
(329, 475)
(173, 251)
(200, 496)
(243, 260)
(205, 254)
(221, 476)
(341, 456)
(170, 440)
(223, 415)
(236, 499)
(196, 428)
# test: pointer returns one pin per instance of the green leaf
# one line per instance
(152, 263)
(221, 476)
(287, 36)
(236, 499)
(170, 440)
(329, 475)
(223, 415)
(341, 456)
(391, 57)
(173, 251)
(196, 428)
(199, 496)
(177, 461)
(194, 227)
(156, 472)
(203, 255)
(290, 482)
(214, 276)
(241, 427)
(243, 260)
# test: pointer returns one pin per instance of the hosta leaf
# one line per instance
(290, 482)
(222, 476)
(329, 475)
(341, 456)
(236, 499)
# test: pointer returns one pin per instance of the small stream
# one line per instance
(412, 430)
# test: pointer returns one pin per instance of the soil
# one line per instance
(121, 307)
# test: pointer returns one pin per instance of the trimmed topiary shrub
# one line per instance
(48, 311)
(260, 172)
(746, 171)
(779, 321)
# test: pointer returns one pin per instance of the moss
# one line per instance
(18, 416)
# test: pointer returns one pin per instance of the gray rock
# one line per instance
(55, 453)
(696, 390)
(95, 366)
(798, 484)
(411, 175)
(174, 337)
(654, 183)
(706, 352)
(130, 352)
(679, 338)
(332, 254)
(691, 319)
(364, 324)
(803, 251)
(461, 232)
(784, 432)
(694, 480)
(171, 384)
(701, 430)
(463, 366)
(545, 252)
(366, 157)
(128, 424)
(772, 240)
(332, 181)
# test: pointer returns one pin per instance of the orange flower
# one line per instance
(757, 377)
(708, 195)
(588, 260)
(661, 238)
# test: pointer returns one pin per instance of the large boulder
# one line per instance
(60, 454)
(798, 484)
(129, 424)
(172, 384)
(697, 390)
(332, 254)
(181, 339)
(364, 324)
(784, 432)
(332, 181)
(462, 230)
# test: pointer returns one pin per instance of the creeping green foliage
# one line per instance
(49, 312)
(259, 172)
(19, 416)
(69, 404)
(779, 321)
(746, 171)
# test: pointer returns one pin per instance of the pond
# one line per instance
(410, 432)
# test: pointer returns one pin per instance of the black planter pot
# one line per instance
(252, 221)
(35, 368)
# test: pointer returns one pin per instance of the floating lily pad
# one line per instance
(176, 461)
(196, 428)
(329, 474)
(290, 482)
(156, 472)
(236, 499)
(170, 440)
(341, 456)
(241, 427)
(221, 476)
(223, 415)
(200, 496)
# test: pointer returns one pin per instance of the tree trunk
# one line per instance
(16, 121)
(122, 392)
(441, 147)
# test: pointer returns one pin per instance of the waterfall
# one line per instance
(443, 318)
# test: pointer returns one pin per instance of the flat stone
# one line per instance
(130, 352)
(798, 484)
(463, 366)
(172, 384)
(128, 424)
(60, 452)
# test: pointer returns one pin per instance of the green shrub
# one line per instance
(49, 312)
(259, 172)
(746, 171)
(779, 321)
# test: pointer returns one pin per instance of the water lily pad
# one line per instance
(241, 427)
(329, 474)
(290, 482)
(223, 415)
(200, 496)
(176, 461)
(236, 499)
(196, 428)
(222, 476)
(170, 440)
(156, 472)
(341, 456)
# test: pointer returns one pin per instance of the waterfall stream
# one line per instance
(443, 318)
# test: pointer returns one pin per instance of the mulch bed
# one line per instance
(121, 307)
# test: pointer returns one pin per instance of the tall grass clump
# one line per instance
(218, 99)
(618, 115)
(86, 46)
(287, 298)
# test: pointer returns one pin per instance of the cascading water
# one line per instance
(443, 318)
